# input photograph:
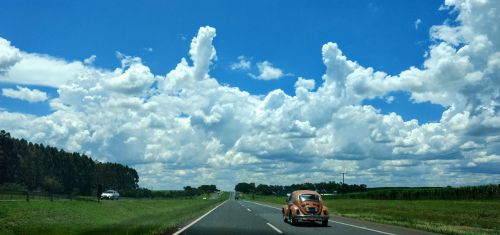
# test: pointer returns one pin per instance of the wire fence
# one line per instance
(39, 195)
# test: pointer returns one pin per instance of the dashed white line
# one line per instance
(369, 229)
(248, 209)
(275, 229)
(265, 205)
(194, 222)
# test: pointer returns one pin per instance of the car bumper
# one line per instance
(305, 218)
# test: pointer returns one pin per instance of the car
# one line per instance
(110, 194)
(305, 206)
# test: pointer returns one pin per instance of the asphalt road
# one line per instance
(244, 217)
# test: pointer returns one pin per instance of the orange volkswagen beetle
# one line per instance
(305, 206)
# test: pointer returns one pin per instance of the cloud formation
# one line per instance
(267, 71)
(242, 64)
(26, 94)
(417, 23)
(189, 129)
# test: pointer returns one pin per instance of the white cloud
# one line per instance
(26, 94)
(308, 84)
(90, 60)
(242, 64)
(389, 99)
(44, 70)
(267, 71)
(193, 130)
(9, 55)
(417, 23)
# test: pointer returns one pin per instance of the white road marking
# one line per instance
(194, 222)
(275, 229)
(248, 209)
(265, 205)
(352, 225)
(365, 228)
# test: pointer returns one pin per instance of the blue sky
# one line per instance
(378, 34)
(393, 90)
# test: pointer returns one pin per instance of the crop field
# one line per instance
(127, 216)
(441, 216)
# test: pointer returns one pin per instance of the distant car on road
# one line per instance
(110, 194)
(305, 206)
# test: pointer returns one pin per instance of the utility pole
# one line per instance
(343, 173)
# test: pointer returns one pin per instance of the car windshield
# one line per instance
(109, 191)
(309, 197)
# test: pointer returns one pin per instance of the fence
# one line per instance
(38, 195)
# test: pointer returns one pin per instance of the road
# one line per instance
(245, 217)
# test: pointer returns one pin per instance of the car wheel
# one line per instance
(292, 220)
(324, 223)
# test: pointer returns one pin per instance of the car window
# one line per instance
(308, 197)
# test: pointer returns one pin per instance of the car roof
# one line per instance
(305, 192)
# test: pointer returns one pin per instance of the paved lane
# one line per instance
(245, 217)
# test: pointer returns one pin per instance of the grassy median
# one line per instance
(441, 216)
(125, 216)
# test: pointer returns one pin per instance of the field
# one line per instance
(441, 216)
(127, 216)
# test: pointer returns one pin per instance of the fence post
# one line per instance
(27, 196)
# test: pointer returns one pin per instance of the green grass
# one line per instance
(441, 216)
(128, 216)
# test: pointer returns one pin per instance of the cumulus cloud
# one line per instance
(242, 64)
(26, 94)
(189, 129)
(43, 70)
(267, 71)
(9, 55)
(90, 60)
(417, 23)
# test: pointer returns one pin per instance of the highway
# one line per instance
(245, 217)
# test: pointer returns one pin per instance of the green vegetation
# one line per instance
(441, 216)
(322, 187)
(37, 167)
(491, 191)
(109, 217)
(41, 170)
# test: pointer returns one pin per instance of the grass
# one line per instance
(128, 216)
(461, 217)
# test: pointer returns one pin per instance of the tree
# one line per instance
(245, 187)
(51, 184)
(207, 188)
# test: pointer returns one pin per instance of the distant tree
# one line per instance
(51, 184)
(190, 191)
(207, 188)
(245, 187)
(263, 189)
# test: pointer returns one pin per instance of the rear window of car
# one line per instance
(308, 197)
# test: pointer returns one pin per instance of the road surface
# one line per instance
(244, 217)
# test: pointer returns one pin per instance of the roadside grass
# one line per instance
(458, 217)
(127, 216)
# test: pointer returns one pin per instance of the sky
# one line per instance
(395, 93)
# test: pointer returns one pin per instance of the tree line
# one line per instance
(491, 191)
(187, 191)
(37, 167)
(330, 187)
